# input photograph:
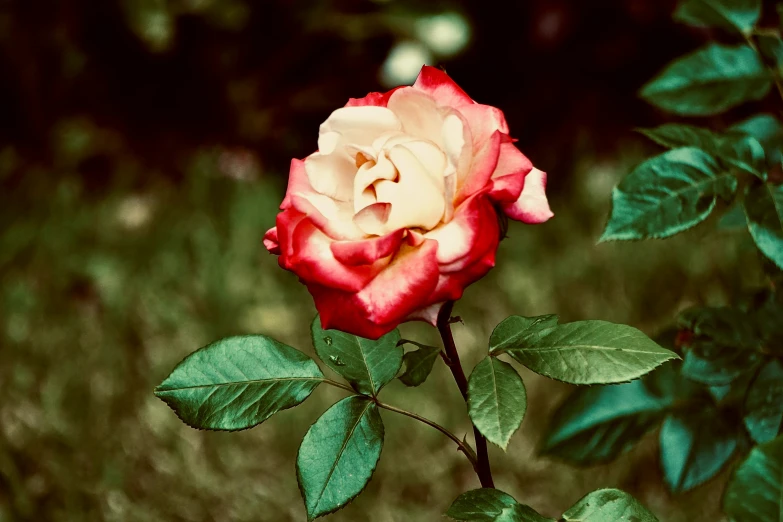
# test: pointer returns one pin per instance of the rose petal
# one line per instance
(378, 99)
(271, 242)
(314, 262)
(367, 251)
(484, 120)
(472, 233)
(417, 196)
(509, 176)
(428, 314)
(438, 84)
(485, 160)
(532, 206)
(372, 219)
(418, 114)
(400, 289)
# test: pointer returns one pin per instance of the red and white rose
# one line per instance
(396, 213)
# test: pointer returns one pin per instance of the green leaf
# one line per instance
(764, 210)
(714, 364)
(491, 505)
(725, 325)
(709, 81)
(768, 131)
(368, 365)
(514, 328)
(736, 149)
(238, 382)
(588, 352)
(695, 446)
(677, 135)
(418, 364)
(596, 424)
(496, 400)
(338, 455)
(667, 194)
(740, 15)
(605, 505)
(755, 493)
(764, 127)
(764, 403)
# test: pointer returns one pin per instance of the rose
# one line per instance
(397, 211)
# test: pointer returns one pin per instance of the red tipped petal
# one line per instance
(313, 261)
(532, 206)
(469, 236)
(271, 242)
(367, 251)
(438, 84)
(403, 287)
(509, 176)
(376, 99)
(485, 160)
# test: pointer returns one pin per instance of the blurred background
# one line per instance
(144, 148)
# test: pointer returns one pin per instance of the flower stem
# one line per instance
(462, 446)
(451, 358)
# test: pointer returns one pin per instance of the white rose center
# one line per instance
(386, 168)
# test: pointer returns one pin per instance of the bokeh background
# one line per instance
(144, 147)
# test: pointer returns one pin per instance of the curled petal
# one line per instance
(271, 242)
(401, 288)
(314, 262)
(428, 314)
(484, 120)
(377, 99)
(509, 176)
(532, 206)
(367, 251)
(372, 219)
(287, 222)
(438, 84)
(419, 114)
(469, 236)
(485, 160)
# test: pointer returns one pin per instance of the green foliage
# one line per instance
(764, 211)
(514, 329)
(418, 363)
(667, 194)
(678, 135)
(755, 493)
(769, 133)
(491, 505)
(368, 365)
(734, 150)
(695, 445)
(738, 15)
(709, 81)
(764, 403)
(238, 382)
(604, 505)
(338, 455)
(596, 424)
(496, 400)
(583, 352)
(716, 365)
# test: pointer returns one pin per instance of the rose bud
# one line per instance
(397, 211)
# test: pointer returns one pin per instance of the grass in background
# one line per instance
(103, 292)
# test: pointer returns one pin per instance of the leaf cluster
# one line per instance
(727, 392)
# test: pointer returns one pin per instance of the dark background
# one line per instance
(144, 146)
